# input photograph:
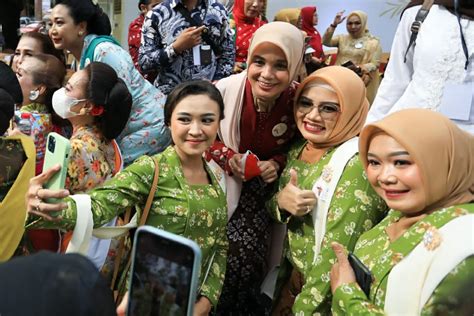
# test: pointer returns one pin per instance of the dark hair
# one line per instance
(144, 2)
(106, 89)
(7, 106)
(47, 46)
(193, 87)
(9, 82)
(85, 11)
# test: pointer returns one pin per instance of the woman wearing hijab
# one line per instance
(289, 15)
(358, 46)
(423, 249)
(258, 102)
(324, 195)
(309, 19)
(246, 17)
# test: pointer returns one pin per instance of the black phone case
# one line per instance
(362, 273)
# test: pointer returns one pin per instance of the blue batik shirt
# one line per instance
(162, 27)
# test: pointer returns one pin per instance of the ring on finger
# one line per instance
(37, 207)
(36, 194)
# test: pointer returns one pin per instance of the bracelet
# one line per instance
(333, 25)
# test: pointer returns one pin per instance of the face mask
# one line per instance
(63, 103)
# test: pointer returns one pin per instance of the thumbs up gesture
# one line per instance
(294, 200)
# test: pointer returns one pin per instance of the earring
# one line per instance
(34, 94)
(81, 33)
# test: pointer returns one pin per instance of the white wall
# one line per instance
(382, 26)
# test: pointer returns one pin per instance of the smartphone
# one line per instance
(362, 273)
(57, 152)
(164, 273)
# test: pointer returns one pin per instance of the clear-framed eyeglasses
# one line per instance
(327, 110)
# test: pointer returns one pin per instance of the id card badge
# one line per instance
(197, 55)
(458, 100)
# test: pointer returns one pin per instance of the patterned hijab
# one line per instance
(245, 27)
(350, 91)
(443, 152)
(363, 20)
(287, 37)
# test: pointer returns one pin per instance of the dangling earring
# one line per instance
(34, 94)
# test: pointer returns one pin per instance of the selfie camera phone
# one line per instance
(164, 274)
(362, 273)
(57, 152)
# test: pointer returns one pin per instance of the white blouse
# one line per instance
(437, 59)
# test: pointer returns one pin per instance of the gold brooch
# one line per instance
(432, 238)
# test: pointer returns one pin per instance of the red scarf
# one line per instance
(244, 28)
(307, 14)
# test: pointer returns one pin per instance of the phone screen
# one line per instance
(162, 273)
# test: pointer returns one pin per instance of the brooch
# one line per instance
(279, 129)
(432, 238)
(326, 174)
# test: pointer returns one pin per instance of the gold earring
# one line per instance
(81, 33)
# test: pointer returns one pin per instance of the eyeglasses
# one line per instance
(327, 111)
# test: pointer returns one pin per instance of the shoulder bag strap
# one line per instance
(143, 219)
(205, 33)
(415, 26)
(151, 195)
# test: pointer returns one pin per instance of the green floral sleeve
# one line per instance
(349, 299)
(213, 285)
(451, 297)
(128, 188)
(355, 208)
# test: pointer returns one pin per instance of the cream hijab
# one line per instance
(350, 90)
(283, 35)
(443, 152)
(287, 37)
(363, 20)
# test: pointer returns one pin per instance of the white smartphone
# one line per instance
(164, 273)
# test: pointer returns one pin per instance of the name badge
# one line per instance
(458, 101)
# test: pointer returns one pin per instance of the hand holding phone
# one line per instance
(57, 152)
(362, 273)
(164, 273)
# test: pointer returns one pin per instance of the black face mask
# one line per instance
(463, 40)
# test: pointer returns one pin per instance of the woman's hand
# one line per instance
(35, 196)
(294, 200)
(188, 38)
(202, 307)
(235, 164)
(239, 67)
(341, 271)
(339, 18)
(269, 170)
(122, 308)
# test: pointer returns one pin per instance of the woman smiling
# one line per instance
(323, 193)
(188, 201)
(422, 165)
(258, 118)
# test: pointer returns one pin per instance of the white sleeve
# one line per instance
(398, 73)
